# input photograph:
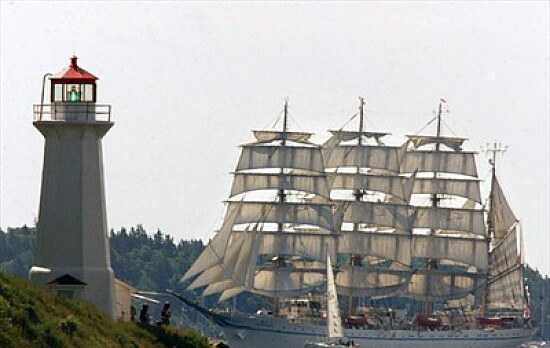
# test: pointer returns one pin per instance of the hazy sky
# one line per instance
(188, 81)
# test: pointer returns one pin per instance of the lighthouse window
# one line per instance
(88, 93)
(73, 93)
(58, 93)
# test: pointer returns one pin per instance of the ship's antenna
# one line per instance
(493, 150)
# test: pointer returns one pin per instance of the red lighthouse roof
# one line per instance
(74, 73)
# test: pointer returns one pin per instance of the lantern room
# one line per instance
(73, 85)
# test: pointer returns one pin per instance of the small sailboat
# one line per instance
(335, 330)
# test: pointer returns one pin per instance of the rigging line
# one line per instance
(274, 120)
(448, 128)
(369, 120)
(295, 121)
(349, 120)
(426, 125)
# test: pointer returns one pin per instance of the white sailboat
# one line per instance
(405, 222)
(335, 331)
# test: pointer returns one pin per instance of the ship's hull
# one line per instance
(257, 332)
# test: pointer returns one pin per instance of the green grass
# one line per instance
(30, 317)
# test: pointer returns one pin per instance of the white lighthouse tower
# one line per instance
(72, 246)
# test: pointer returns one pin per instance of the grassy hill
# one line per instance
(30, 317)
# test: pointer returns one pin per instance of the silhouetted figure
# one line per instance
(132, 313)
(143, 315)
(165, 314)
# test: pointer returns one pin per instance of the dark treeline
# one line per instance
(156, 263)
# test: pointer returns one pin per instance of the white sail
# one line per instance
(232, 292)
(470, 251)
(379, 214)
(443, 285)
(268, 156)
(365, 156)
(506, 291)
(314, 214)
(501, 214)
(467, 188)
(371, 281)
(214, 252)
(505, 288)
(282, 281)
(310, 183)
(391, 246)
(505, 255)
(470, 221)
(442, 162)
(305, 245)
(391, 184)
(232, 265)
(335, 329)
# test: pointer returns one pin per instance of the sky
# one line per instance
(188, 81)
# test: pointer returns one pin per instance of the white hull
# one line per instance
(257, 332)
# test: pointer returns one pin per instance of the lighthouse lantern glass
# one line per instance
(73, 92)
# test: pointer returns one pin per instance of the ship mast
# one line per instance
(493, 149)
(355, 260)
(279, 259)
(431, 263)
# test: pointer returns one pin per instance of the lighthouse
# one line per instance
(72, 247)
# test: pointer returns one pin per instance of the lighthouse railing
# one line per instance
(76, 112)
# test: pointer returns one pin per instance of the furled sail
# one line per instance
(451, 142)
(265, 136)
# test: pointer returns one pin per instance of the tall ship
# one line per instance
(420, 258)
